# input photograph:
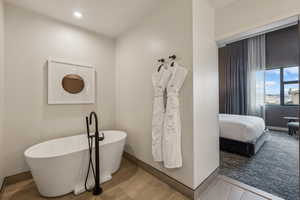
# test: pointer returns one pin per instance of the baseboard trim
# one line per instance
(187, 191)
(1, 184)
(204, 185)
(180, 187)
(10, 180)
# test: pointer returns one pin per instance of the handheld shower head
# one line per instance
(96, 120)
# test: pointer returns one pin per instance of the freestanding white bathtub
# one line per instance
(59, 166)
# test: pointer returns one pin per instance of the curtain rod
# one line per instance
(284, 23)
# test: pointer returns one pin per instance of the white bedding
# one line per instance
(241, 128)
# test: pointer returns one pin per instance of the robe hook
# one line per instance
(173, 57)
(162, 60)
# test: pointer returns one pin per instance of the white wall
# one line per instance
(244, 15)
(206, 101)
(1, 92)
(168, 30)
(125, 93)
(30, 40)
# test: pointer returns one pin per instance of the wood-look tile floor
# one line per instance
(133, 183)
(224, 188)
(129, 183)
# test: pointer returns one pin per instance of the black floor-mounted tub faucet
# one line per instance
(96, 171)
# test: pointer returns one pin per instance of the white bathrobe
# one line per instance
(172, 155)
(159, 80)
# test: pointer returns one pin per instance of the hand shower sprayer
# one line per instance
(95, 170)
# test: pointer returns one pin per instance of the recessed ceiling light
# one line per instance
(77, 14)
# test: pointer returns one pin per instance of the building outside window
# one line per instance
(282, 86)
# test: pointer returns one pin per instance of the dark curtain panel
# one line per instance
(233, 60)
(282, 48)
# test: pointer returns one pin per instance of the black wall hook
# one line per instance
(162, 60)
(173, 57)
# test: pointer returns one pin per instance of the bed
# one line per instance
(240, 134)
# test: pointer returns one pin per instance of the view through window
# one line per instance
(282, 86)
(272, 85)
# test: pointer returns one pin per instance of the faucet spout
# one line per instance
(96, 120)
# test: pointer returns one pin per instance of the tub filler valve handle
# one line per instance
(102, 137)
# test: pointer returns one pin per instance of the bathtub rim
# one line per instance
(29, 149)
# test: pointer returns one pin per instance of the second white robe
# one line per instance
(172, 155)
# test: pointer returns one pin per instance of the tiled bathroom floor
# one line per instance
(129, 183)
(224, 188)
(133, 183)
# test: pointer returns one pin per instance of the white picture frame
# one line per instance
(57, 70)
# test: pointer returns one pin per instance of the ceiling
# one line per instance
(107, 17)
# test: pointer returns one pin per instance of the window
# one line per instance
(272, 85)
(291, 85)
(282, 86)
(291, 73)
(291, 94)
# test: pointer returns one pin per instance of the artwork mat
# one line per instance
(57, 69)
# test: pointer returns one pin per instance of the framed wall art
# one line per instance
(70, 83)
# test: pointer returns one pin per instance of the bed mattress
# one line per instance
(241, 128)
